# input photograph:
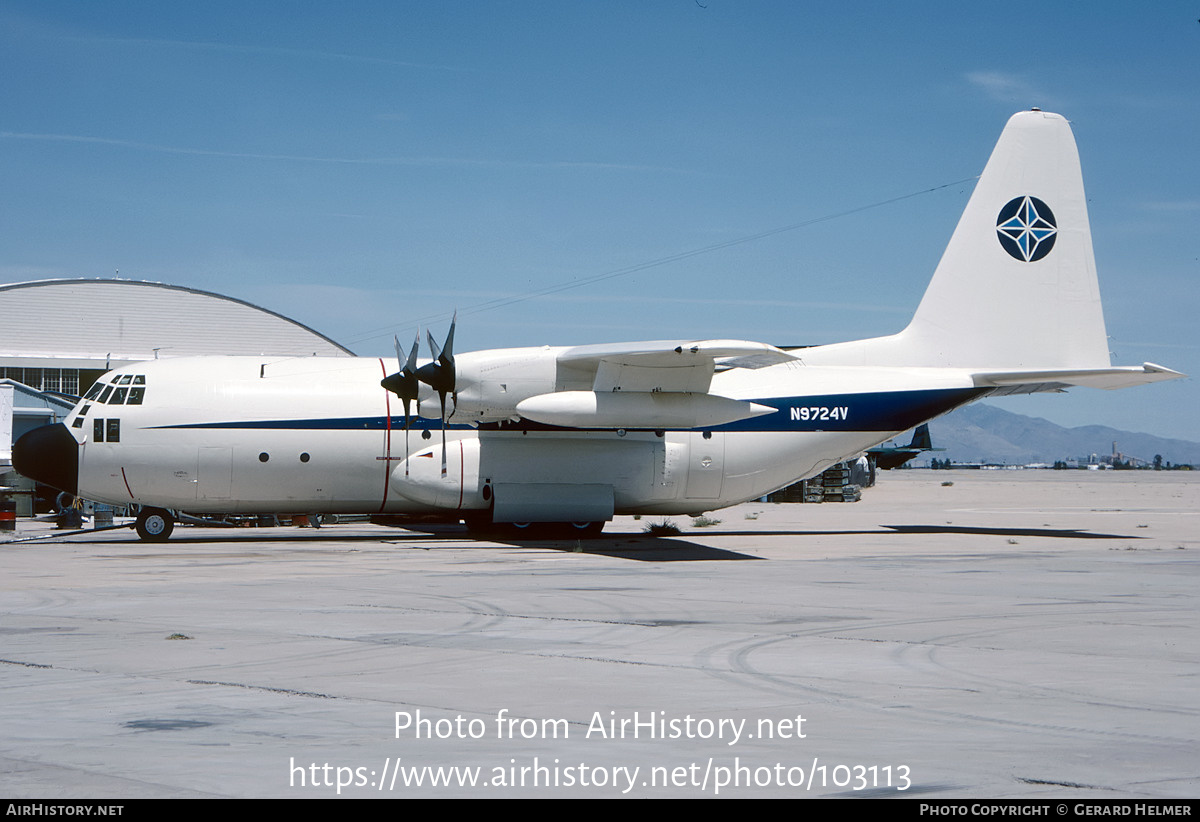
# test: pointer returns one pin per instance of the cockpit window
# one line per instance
(110, 395)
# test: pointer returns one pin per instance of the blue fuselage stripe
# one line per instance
(868, 411)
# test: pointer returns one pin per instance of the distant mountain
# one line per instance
(985, 433)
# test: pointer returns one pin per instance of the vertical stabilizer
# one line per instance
(1016, 286)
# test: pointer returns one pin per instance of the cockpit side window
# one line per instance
(105, 393)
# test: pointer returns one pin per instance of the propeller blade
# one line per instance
(411, 365)
(441, 376)
(448, 348)
(404, 383)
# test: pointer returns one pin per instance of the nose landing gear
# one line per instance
(154, 525)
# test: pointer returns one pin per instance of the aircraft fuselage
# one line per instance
(247, 435)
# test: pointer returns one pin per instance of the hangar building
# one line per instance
(58, 336)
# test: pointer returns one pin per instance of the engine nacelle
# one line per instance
(489, 384)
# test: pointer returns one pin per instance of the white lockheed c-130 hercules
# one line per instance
(572, 436)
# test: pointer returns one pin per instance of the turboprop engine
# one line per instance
(490, 384)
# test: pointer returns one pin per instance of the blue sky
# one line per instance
(370, 167)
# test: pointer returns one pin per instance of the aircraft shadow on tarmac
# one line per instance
(640, 547)
(1059, 533)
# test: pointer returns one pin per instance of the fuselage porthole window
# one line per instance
(304, 457)
(264, 456)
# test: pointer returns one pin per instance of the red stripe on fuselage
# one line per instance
(387, 462)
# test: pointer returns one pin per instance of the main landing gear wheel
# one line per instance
(583, 530)
(482, 527)
(556, 530)
(154, 525)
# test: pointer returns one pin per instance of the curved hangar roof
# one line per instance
(74, 323)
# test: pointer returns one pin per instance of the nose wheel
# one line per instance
(154, 525)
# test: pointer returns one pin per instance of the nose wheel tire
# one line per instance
(154, 525)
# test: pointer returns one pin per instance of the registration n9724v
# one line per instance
(818, 413)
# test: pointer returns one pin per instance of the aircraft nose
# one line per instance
(49, 455)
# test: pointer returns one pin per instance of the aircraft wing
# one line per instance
(661, 384)
(1106, 378)
(666, 365)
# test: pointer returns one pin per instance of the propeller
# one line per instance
(405, 385)
(441, 376)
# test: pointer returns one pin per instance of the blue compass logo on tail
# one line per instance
(1026, 228)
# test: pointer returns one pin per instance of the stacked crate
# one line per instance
(833, 485)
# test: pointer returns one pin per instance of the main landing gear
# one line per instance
(485, 528)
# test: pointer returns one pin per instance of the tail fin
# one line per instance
(921, 438)
(1016, 287)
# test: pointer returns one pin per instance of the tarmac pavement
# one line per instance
(1014, 634)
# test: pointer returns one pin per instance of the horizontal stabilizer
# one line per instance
(1107, 378)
